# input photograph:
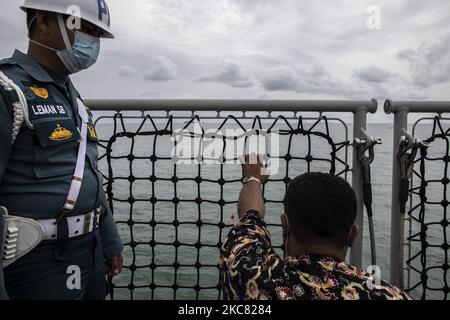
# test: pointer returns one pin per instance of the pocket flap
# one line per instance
(56, 132)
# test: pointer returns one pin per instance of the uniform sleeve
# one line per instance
(5, 152)
(3, 295)
(111, 241)
(248, 263)
(5, 133)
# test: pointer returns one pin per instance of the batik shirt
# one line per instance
(250, 269)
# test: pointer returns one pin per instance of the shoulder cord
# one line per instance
(20, 107)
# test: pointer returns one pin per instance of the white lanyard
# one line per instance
(77, 180)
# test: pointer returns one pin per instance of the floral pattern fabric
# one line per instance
(250, 269)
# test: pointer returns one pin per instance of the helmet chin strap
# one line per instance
(31, 22)
(67, 43)
(43, 45)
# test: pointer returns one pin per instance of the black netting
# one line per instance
(428, 263)
(173, 218)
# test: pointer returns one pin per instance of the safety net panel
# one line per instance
(174, 209)
(428, 247)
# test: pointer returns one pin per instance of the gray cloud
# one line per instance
(393, 88)
(367, 82)
(162, 69)
(231, 73)
(430, 63)
(372, 74)
(313, 80)
(280, 78)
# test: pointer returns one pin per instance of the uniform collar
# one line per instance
(37, 71)
(56, 78)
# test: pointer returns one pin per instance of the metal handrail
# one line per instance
(395, 107)
(233, 105)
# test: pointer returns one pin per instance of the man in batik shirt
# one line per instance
(318, 228)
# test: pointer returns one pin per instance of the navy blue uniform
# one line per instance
(35, 176)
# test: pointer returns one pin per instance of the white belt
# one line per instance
(78, 225)
(22, 235)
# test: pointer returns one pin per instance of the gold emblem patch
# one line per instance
(40, 92)
(60, 134)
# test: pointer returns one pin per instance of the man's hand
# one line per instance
(114, 265)
(250, 197)
(252, 166)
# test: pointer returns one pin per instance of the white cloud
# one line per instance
(161, 69)
(126, 70)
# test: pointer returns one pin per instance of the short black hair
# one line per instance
(31, 13)
(321, 208)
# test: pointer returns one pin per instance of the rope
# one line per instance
(145, 253)
(427, 262)
(362, 147)
(406, 154)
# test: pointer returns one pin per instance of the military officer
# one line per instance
(49, 176)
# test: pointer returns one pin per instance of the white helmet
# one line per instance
(93, 11)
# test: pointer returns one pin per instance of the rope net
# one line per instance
(174, 216)
(428, 247)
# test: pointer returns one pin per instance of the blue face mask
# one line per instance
(80, 55)
(85, 52)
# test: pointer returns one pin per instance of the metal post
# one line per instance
(400, 123)
(359, 122)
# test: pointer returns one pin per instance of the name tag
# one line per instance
(47, 110)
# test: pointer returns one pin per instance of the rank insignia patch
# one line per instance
(60, 134)
(92, 132)
(40, 92)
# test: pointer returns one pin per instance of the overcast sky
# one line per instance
(263, 49)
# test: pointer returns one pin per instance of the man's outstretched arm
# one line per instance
(250, 197)
(247, 258)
